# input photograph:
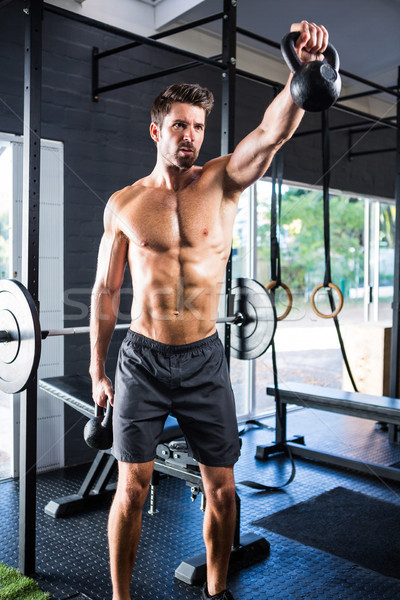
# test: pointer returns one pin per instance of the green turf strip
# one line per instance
(14, 586)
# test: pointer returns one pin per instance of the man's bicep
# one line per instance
(111, 261)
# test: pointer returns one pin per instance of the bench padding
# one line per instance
(376, 408)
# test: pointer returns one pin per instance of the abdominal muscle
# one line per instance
(176, 293)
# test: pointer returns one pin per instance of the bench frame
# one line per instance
(377, 408)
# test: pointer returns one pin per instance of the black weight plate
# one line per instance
(253, 337)
(19, 358)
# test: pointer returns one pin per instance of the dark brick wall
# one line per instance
(107, 145)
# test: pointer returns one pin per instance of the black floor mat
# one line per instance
(72, 555)
(351, 525)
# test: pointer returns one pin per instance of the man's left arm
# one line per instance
(254, 153)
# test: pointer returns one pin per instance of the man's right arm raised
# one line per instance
(105, 299)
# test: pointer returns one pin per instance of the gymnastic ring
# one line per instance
(273, 284)
(340, 296)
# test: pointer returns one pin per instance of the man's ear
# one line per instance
(155, 132)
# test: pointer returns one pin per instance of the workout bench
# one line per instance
(365, 406)
(172, 460)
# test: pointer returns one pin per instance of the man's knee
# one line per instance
(132, 487)
(220, 494)
(224, 495)
(132, 497)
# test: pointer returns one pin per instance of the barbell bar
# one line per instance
(21, 335)
(234, 319)
(5, 336)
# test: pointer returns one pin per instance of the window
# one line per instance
(362, 259)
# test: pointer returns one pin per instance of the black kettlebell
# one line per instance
(315, 86)
(98, 431)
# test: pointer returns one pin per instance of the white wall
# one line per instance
(51, 292)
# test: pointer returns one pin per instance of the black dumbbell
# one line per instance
(98, 431)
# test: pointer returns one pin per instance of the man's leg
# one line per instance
(219, 523)
(124, 523)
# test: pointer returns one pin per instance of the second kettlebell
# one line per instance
(98, 431)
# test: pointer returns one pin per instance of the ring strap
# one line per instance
(270, 488)
(252, 423)
(276, 210)
(276, 206)
(325, 184)
(327, 278)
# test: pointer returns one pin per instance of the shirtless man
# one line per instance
(174, 229)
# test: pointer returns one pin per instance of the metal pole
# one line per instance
(160, 35)
(95, 74)
(363, 115)
(351, 127)
(228, 119)
(258, 38)
(30, 274)
(373, 84)
(96, 90)
(236, 536)
(395, 345)
(368, 152)
(259, 79)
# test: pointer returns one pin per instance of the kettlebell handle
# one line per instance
(293, 61)
(99, 411)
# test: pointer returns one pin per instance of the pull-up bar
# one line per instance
(150, 76)
(158, 36)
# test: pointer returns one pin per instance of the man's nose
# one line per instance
(188, 134)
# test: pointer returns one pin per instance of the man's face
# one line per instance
(181, 135)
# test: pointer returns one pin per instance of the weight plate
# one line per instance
(19, 357)
(253, 337)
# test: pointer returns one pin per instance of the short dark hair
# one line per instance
(188, 93)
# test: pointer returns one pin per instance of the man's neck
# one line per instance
(172, 177)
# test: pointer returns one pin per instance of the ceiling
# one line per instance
(365, 32)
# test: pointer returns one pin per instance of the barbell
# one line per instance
(252, 312)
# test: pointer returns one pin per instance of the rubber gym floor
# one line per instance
(72, 555)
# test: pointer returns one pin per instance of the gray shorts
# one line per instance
(190, 381)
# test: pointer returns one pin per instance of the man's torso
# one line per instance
(178, 246)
